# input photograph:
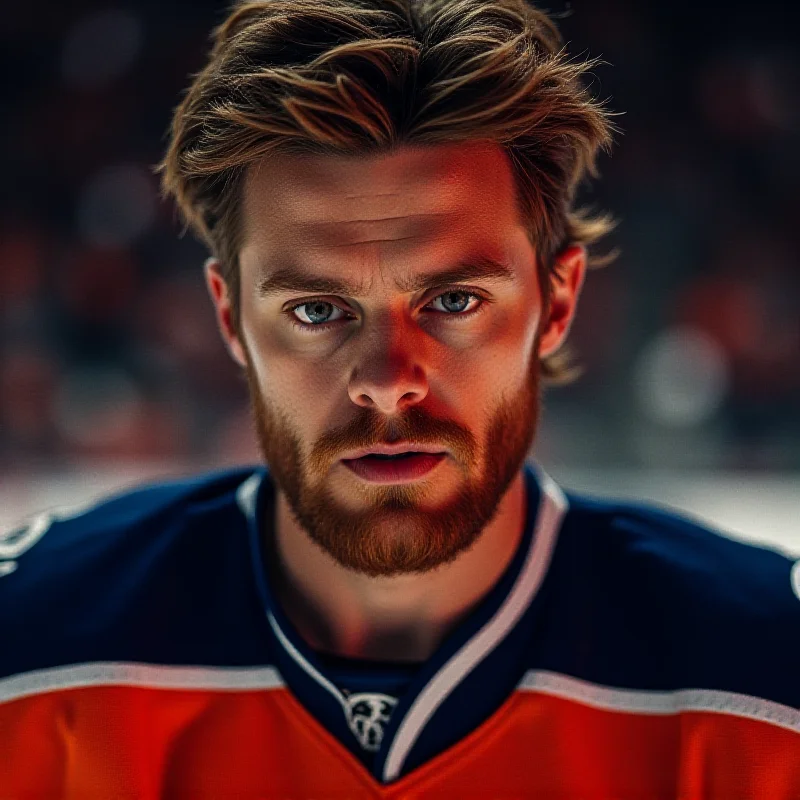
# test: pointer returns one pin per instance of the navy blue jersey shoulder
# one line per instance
(161, 574)
(642, 597)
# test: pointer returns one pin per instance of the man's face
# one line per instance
(394, 364)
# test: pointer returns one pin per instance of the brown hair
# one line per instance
(362, 77)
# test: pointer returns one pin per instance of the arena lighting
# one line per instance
(682, 377)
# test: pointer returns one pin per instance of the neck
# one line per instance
(402, 618)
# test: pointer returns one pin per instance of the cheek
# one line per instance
(512, 341)
(293, 380)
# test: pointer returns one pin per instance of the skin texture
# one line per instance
(386, 571)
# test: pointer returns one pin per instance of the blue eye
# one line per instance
(314, 307)
(323, 326)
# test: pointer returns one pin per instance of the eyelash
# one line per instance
(306, 327)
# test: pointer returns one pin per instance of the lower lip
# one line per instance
(400, 470)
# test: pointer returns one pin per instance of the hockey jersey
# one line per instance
(626, 653)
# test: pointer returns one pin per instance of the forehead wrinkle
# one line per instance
(337, 233)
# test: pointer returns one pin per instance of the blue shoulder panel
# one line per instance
(160, 574)
(644, 598)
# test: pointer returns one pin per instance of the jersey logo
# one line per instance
(367, 714)
(14, 543)
(794, 577)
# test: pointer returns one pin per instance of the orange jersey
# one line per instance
(626, 653)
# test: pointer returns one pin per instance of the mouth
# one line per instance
(396, 451)
(398, 468)
(397, 457)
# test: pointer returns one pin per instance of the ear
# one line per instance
(564, 291)
(220, 296)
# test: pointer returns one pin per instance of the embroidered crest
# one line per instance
(17, 542)
(14, 543)
(367, 714)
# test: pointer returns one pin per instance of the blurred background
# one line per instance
(111, 368)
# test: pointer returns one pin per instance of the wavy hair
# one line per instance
(362, 77)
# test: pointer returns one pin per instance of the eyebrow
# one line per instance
(289, 278)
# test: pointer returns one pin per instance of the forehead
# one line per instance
(418, 195)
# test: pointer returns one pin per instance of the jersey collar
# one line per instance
(469, 676)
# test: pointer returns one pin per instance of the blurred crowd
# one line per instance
(690, 341)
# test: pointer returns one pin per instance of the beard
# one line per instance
(394, 531)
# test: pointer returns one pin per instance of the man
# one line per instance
(398, 604)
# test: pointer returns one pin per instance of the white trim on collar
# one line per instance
(794, 578)
(552, 507)
(246, 496)
(304, 663)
